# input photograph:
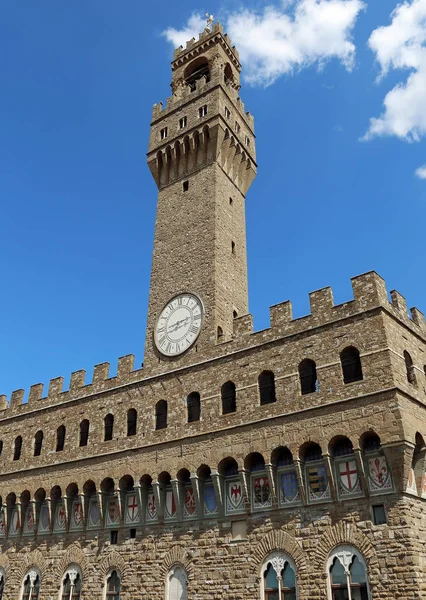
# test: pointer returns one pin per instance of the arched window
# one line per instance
(38, 443)
(1, 442)
(177, 584)
(278, 578)
(18, 448)
(229, 398)
(161, 415)
(31, 585)
(196, 70)
(351, 364)
(220, 334)
(84, 432)
(108, 427)
(266, 383)
(2, 578)
(194, 407)
(308, 376)
(411, 374)
(71, 584)
(60, 438)
(113, 586)
(347, 575)
(132, 421)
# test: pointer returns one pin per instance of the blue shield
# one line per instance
(289, 487)
(210, 498)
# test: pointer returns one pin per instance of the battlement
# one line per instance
(369, 292)
(217, 32)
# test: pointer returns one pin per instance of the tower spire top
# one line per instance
(210, 21)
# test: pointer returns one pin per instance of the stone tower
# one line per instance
(202, 157)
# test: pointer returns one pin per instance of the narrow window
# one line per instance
(18, 448)
(31, 586)
(194, 407)
(379, 514)
(231, 201)
(1, 447)
(176, 584)
(266, 382)
(351, 365)
(108, 427)
(132, 535)
(71, 586)
(113, 586)
(38, 443)
(185, 186)
(161, 415)
(84, 433)
(347, 575)
(229, 398)
(233, 247)
(279, 578)
(219, 334)
(60, 438)
(308, 376)
(247, 141)
(163, 133)
(1, 584)
(202, 111)
(113, 538)
(411, 374)
(237, 127)
(234, 314)
(183, 122)
(132, 421)
(227, 112)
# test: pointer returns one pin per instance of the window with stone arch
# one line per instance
(2, 582)
(278, 578)
(177, 583)
(31, 585)
(71, 583)
(113, 586)
(347, 575)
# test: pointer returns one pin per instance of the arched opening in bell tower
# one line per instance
(198, 69)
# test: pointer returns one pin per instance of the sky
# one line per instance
(338, 92)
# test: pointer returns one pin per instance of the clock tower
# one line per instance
(202, 157)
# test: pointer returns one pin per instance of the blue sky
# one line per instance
(78, 202)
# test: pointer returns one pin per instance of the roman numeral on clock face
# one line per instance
(178, 324)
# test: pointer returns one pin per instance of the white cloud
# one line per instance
(288, 37)
(401, 45)
(421, 172)
(178, 37)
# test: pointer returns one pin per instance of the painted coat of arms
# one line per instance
(289, 488)
(112, 513)
(190, 507)
(379, 476)
(234, 496)
(77, 515)
(60, 517)
(261, 492)
(210, 504)
(15, 523)
(2, 523)
(348, 478)
(132, 509)
(29, 521)
(318, 486)
(411, 484)
(43, 524)
(170, 507)
(94, 513)
(151, 507)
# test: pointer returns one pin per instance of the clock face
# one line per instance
(179, 324)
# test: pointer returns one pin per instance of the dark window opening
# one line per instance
(230, 201)
(411, 374)
(194, 407)
(185, 186)
(202, 111)
(229, 398)
(219, 334)
(132, 534)
(197, 71)
(60, 438)
(161, 415)
(235, 314)
(233, 247)
(108, 427)
(38, 443)
(266, 382)
(343, 447)
(113, 586)
(113, 537)
(371, 442)
(84, 432)
(18, 448)
(1, 447)
(132, 422)
(308, 377)
(313, 452)
(351, 365)
(379, 514)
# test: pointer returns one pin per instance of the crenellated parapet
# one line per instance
(206, 38)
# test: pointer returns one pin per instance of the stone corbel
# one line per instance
(195, 481)
(139, 499)
(330, 475)
(21, 510)
(271, 472)
(82, 498)
(246, 487)
(218, 490)
(33, 505)
(361, 470)
(159, 499)
(299, 467)
(101, 508)
(177, 488)
(121, 505)
(48, 501)
(65, 500)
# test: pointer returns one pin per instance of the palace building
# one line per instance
(284, 464)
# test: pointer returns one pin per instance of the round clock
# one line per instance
(179, 324)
